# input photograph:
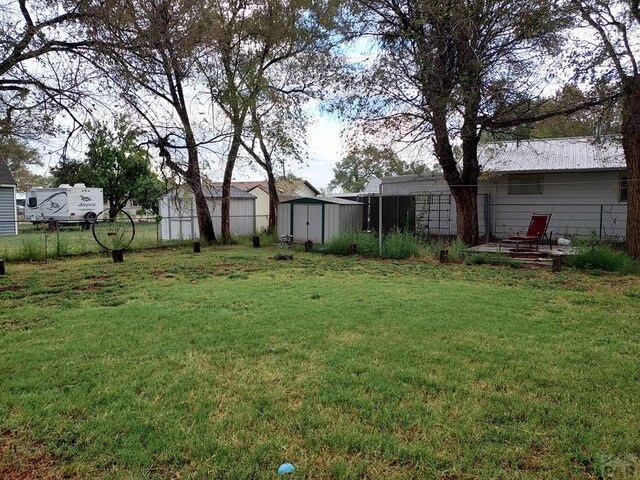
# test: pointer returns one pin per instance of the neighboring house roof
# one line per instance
(334, 200)
(288, 188)
(216, 192)
(5, 175)
(291, 187)
(552, 155)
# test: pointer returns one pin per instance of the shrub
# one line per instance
(367, 244)
(602, 257)
(400, 245)
(339, 245)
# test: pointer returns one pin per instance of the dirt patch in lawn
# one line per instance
(25, 462)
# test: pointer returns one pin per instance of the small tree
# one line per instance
(20, 157)
(115, 163)
(352, 173)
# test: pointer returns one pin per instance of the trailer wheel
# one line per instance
(89, 218)
(52, 225)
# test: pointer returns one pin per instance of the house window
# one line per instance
(624, 189)
(525, 185)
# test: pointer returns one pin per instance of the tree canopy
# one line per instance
(116, 163)
(360, 165)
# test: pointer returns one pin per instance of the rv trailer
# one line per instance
(65, 205)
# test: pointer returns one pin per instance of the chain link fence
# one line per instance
(434, 214)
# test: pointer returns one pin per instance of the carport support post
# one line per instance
(380, 219)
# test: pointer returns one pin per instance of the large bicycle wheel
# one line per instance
(113, 233)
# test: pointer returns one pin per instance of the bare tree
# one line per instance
(149, 50)
(613, 60)
(40, 71)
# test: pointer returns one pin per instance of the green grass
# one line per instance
(227, 363)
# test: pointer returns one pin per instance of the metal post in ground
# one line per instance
(2, 272)
(601, 213)
(380, 219)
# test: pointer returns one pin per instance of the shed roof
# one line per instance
(5, 174)
(333, 200)
(553, 154)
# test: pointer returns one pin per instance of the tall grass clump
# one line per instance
(266, 238)
(455, 247)
(30, 249)
(339, 244)
(399, 245)
(366, 244)
(603, 257)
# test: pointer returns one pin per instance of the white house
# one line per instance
(179, 217)
(582, 183)
(287, 189)
(8, 211)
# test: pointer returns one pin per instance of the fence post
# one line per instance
(57, 240)
(601, 214)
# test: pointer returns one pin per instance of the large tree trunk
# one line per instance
(194, 181)
(273, 201)
(467, 213)
(631, 145)
(226, 187)
(463, 187)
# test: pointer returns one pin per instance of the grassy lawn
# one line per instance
(228, 363)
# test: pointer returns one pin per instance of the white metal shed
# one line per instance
(318, 218)
(180, 219)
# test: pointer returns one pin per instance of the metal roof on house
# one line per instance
(336, 201)
(5, 174)
(553, 154)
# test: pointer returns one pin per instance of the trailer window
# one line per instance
(33, 202)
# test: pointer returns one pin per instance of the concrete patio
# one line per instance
(544, 250)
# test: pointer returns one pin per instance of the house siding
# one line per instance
(8, 224)
(262, 208)
(581, 203)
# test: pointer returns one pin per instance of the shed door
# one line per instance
(299, 222)
(307, 223)
(314, 218)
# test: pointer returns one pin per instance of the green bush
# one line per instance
(603, 257)
(339, 245)
(400, 245)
